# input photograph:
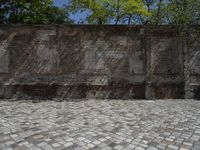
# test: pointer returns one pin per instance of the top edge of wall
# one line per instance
(86, 25)
(147, 28)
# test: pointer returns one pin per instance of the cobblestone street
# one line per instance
(100, 124)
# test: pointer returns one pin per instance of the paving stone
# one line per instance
(100, 125)
(68, 144)
(173, 147)
(55, 145)
(183, 148)
(118, 147)
(152, 148)
(139, 148)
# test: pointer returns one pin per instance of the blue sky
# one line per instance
(77, 17)
(60, 2)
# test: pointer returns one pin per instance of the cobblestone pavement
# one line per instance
(100, 124)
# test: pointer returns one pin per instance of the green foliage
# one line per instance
(99, 13)
(185, 15)
(31, 12)
(184, 12)
(105, 11)
(146, 12)
(172, 12)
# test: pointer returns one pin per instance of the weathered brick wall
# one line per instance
(96, 61)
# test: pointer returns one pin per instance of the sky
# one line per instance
(60, 2)
(75, 17)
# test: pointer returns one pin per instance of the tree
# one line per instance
(97, 9)
(109, 11)
(156, 9)
(125, 9)
(32, 12)
(58, 15)
(171, 12)
(185, 15)
(184, 12)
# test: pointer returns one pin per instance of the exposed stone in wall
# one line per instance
(165, 64)
(96, 62)
(193, 71)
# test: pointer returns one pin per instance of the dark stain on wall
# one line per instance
(197, 93)
(169, 91)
